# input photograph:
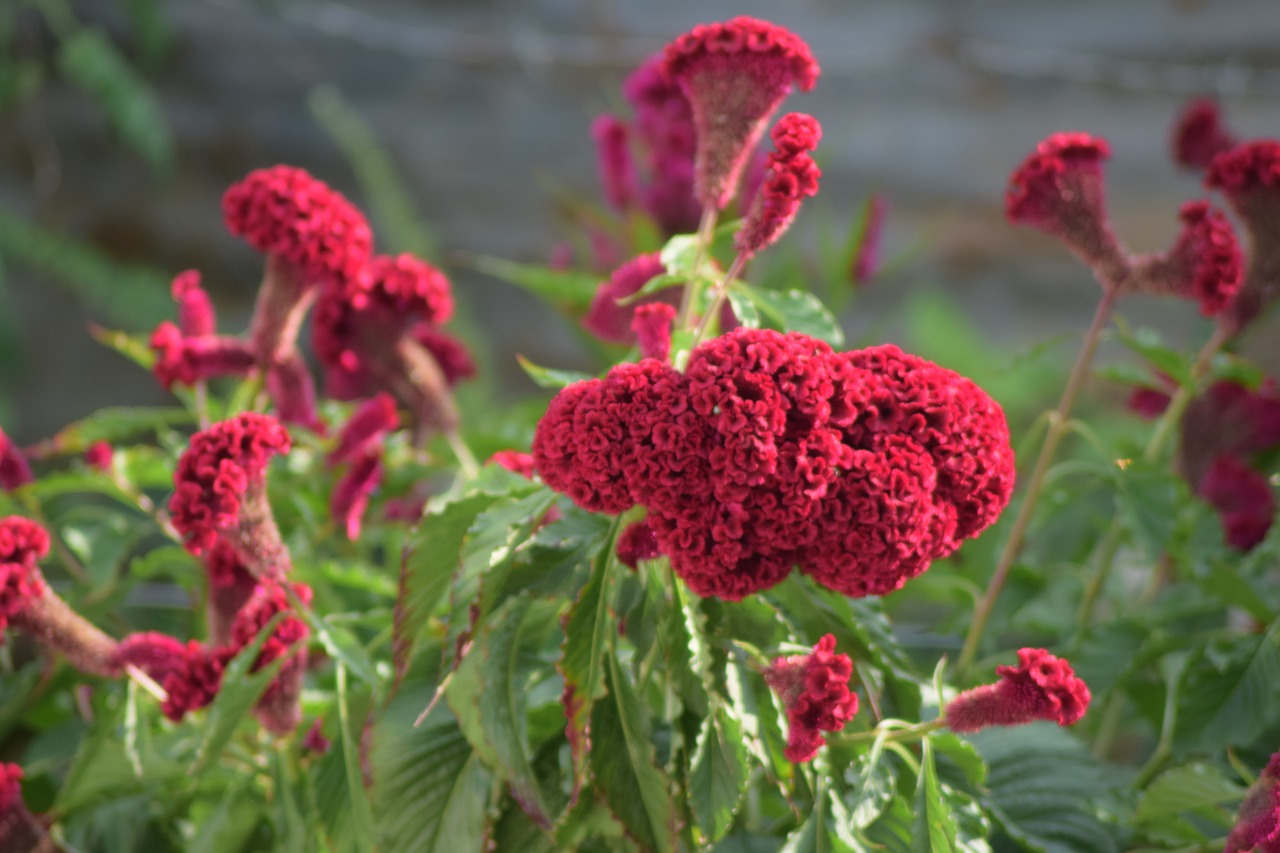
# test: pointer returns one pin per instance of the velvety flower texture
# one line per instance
(1199, 135)
(284, 211)
(1258, 827)
(279, 709)
(14, 468)
(663, 129)
(1249, 176)
(617, 169)
(1040, 687)
(22, 543)
(814, 688)
(734, 75)
(1059, 190)
(790, 176)
(1243, 499)
(1205, 263)
(195, 680)
(638, 542)
(515, 461)
(192, 350)
(771, 451)
(652, 327)
(217, 468)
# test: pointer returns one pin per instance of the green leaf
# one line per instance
(339, 643)
(798, 311)
(567, 287)
(427, 566)
(679, 255)
(1192, 786)
(1231, 694)
(825, 829)
(872, 785)
(934, 829)
(1147, 343)
(488, 696)
(294, 832)
(115, 425)
(349, 742)
(657, 284)
(743, 308)
(546, 377)
(718, 775)
(1150, 498)
(622, 757)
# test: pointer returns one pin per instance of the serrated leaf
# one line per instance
(960, 753)
(872, 786)
(1185, 788)
(680, 254)
(718, 775)
(548, 377)
(349, 730)
(568, 287)
(622, 758)
(743, 308)
(934, 829)
(824, 830)
(1231, 694)
(798, 311)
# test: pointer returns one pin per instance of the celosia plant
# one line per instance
(739, 586)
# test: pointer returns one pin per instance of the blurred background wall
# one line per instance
(114, 152)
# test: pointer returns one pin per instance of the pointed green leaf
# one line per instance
(547, 377)
(798, 311)
(349, 732)
(1231, 694)
(934, 828)
(718, 776)
(568, 287)
(1186, 788)
(825, 830)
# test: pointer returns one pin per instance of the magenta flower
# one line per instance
(790, 176)
(351, 494)
(10, 787)
(1243, 499)
(366, 429)
(1199, 135)
(1040, 687)
(617, 169)
(663, 128)
(156, 654)
(22, 543)
(1258, 827)
(279, 709)
(196, 317)
(652, 325)
(638, 542)
(15, 471)
(1205, 263)
(515, 461)
(1249, 176)
(865, 262)
(192, 351)
(99, 455)
(814, 688)
(230, 586)
(194, 681)
(611, 321)
(734, 75)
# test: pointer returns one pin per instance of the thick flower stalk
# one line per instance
(790, 176)
(1249, 176)
(313, 238)
(15, 471)
(814, 689)
(1205, 263)
(221, 492)
(734, 74)
(772, 452)
(1258, 828)
(29, 605)
(1040, 687)
(230, 586)
(193, 351)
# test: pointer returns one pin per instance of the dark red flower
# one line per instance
(790, 176)
(188, 360)
(405, 287)
(1149, 403)
(366, 428)
(652, 325)
(1040, 687)
(351, 494)
(284, 211)
(22, 543)
(215, 471)
(314, 740)
(10, 786)
(734, 75)
(638, 542)
(1199, 135)
(611, 321)
(613, 154)
(1242, 498)
(1205, 263)
(1258, 827)
(14, 468)
(865, 262)
(195, 682)
(156, 654)
(196, 316)
(1227, 419)
(663, 128)
(515, 461)
(1249, 176)
(814, 688)
(99, 455)
(449, 352)
(268, 600)
(1059, 190)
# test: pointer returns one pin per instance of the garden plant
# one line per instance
(748, 587)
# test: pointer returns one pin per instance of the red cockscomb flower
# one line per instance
(664, 128)
(187, 360)
(1243, 499)
(1249, 176)
(449, 352)
(515, 461)
(15, 471)
(1199, 135)
(652, 325)
(610, 321)
(215, 472)
(1059, 190)
(279, 709)
(613, 154)
(196, 317)
(1205, 263)
(734, 75)
(284, 211)
(1227, 419)
(22, 543)
(10, 786)
(814, 688)
(156, 654)
(638, 542)
(196, 679)
(790, 176)
(1040, 687)
(366, 428)
(1258, 828)
(99, 455)
(351, 494)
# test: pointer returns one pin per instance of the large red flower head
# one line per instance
(22, 543)
(1040, 687)
(734, 75)
(1199, 135)
(14, 469)
(215, 470)
(1205, 263)
(814, 688)
(285, 212)
(1059, 190)
(791, 175)
(1228, 419)
(1258, 828)
(406, 287)
(1249, 176)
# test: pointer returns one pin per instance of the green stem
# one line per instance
(466, 459)
(722, 292)
(1058, 426)
(706, 233)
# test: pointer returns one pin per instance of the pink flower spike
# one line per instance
(652, 327)
(734, 74)
(791, 176)
(664, 128)
(22, 543)
(638, 542)
(1199, 135)
(196, 316)
(1258, 827)
(15, 471)
(1040, 687)
(1243, 500)
(366, 428)
(351, 495)
(814, 689)
(1059, 190)
(156, 654)
(99, 455)
(187, 361)
(1205, 263)
(613, 153)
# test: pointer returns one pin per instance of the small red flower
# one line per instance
(1041, 687)
(610, 321)
(664, 128)
(15, 471)
(613, 153)
(99, 455)
(866, 255)
(188, 360)
(814, 688)
(196, 316)
(652, 325)
(351, 494)
(314, 740)
(1258, 828)
(638, 542)
(22, 543)
(734, 75)
(515, 461)
(215, 470)
(1249, 176)
(1199, 135)
(284, 211)
(449, 352)
(1205, 263)
(1243, 500)
(10, 786)
(790, 176)
(404, 286)
(1149, 403)
(196, 680)
(365, 430)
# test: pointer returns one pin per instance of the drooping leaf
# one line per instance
(350, 729)
(566, 287)
(1231, 693)
(718, 775)
(1186, 788)
(934, 828)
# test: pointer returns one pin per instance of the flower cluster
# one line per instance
(1249, 176)
(22, 543)
(192, 351)
(1258, 828)
(1199, 135)
(1040, 687)
(644, 321)
(193, 680)
(217, 469)
(814, 689)
(15, 471)
(772, 451)
(734, 75)
(790, 176)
